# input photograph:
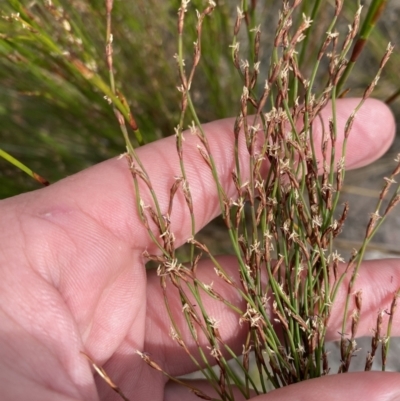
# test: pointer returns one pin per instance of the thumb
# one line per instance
(382, 386)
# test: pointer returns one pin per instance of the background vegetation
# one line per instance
(54, 118)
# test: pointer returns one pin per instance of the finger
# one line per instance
(372, 134)
(378, 281)
(105, 192)
(350, 386)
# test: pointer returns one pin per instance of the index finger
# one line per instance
(372, 133)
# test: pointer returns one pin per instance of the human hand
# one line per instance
(73, 277)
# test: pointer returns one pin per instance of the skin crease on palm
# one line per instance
(73, 278)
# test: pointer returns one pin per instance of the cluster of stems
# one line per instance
(282, 224)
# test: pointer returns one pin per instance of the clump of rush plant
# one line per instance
(283, 225)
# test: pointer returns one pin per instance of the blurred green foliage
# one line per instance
(54, 116)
